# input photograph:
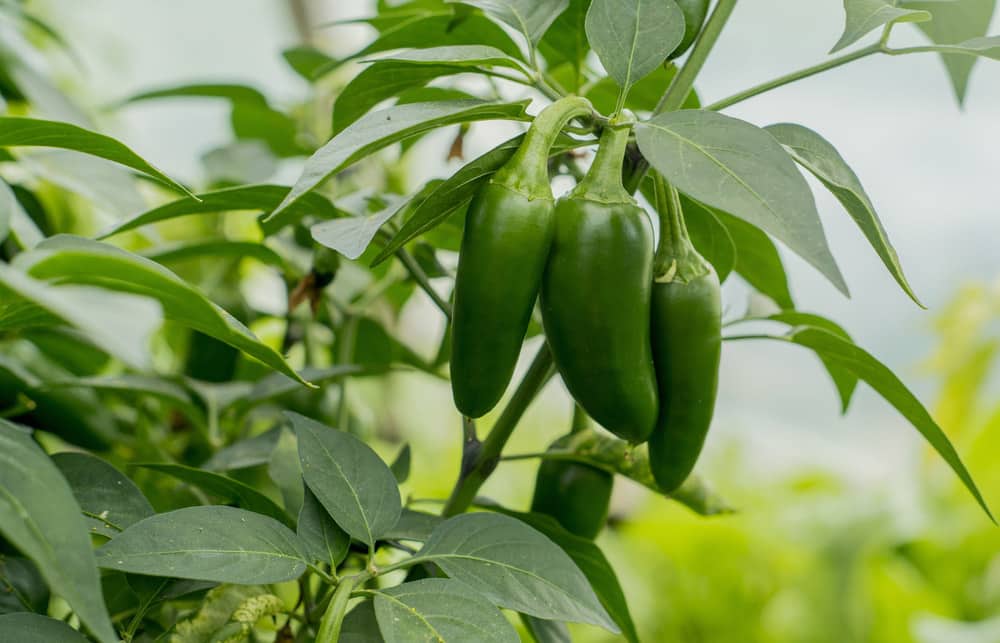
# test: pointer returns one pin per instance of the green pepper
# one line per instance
(575, 494)
(508, 232)
(694, 12)
(595, 297)
(686, 331)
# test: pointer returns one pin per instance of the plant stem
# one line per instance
(474, 474)
(423, 281)
(329, 627)
(682, 83)
(798, 75)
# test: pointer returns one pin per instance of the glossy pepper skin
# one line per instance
(508, 232)
(575, 494)
(596, 296)
(695, 12)
(686, 331)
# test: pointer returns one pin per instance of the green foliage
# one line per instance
(180, 461)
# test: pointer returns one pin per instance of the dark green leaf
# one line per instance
(257, 198)
(566, 42)
(30, 132)
(109, 500)
(220, 544)
(440, 28)
(24, 589)
(633, 37)
(224, 487)
(400, 467)
(40, 517)
(135, 386)
(546, 631)
(385, 127)
(644, 95)
(815, 153)
(228, 91)
(360, 625)
(379, 82)
(732, 165)
(35, 628)
(515, 567)
(322, 539)
(251, 452)
(414, 525)
(357, 489)
(273, 386)
(439, 609)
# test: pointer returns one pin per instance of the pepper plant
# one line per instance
(178, 462)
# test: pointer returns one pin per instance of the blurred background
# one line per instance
(847, 529)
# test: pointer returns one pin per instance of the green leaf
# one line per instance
(137, 385)
(228, 489)
(440, 26)
(987, 47)
(8, 202)
(229, 91)
(357, 489)
(865, 16)
(322, 539)
(530, 17)
(644, 95)
(77, 260)
(817, 155)
(30, 132)
(40, 517)
(439, 609)
(24, 588)
(633, 37)
(273, 386)
(566, 42)
(219, 544)
(400, 467)
(360, 625)
(592, 562)
(473, 56)
(956, 22)
(736, 167)
(544, 631)
(280, 132)
(414, 525)
(109, 500)
(218, 249)
(514, 567)
(379, 82)
(351, 236)
(286, 472)
(25, 627)
(308, 62)
(456, 192)
(257, 198)
(385, 127)
(118, 323)
(853, 358)
(243, 454)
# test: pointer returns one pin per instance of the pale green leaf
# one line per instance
(865, 16)
(633, 37)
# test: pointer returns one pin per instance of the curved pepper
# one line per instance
(508, 232)
(575, 494)
(686, 331)
(595, 297)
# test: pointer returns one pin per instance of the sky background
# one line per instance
(931, 170)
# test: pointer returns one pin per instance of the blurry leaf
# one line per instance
(865, 16)
(219, 544)
(439, 609)
(21, 227)
(216, 248)
(118, 323)
(385, 127)
(816, 154)
(955, 22)
(109, 500)
(286, 472)
(566, 42)
(543, 631)
(229, 489)
(374, 347)
(440, 29)
(251, 452)
(40, 517)
(379, 82)
(308, 62)
(231, 92)
(472, 56)
(348, 478)
(351, 236)
(323, 540)
(24, 589)
(531, 17)
(514, 567)
(35, 628)
(632, 37)
(239, 162)
(78, 260)
(617, 456)
(29, 132)
(591, 561)
(7, 204)
(400, 467)
(456, 192)
(252, 121)
(137, 386)
(732, 165)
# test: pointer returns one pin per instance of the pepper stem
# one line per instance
(604, 179)
(676, 257)
(528, 170)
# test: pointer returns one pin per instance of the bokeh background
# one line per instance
(847, 529)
